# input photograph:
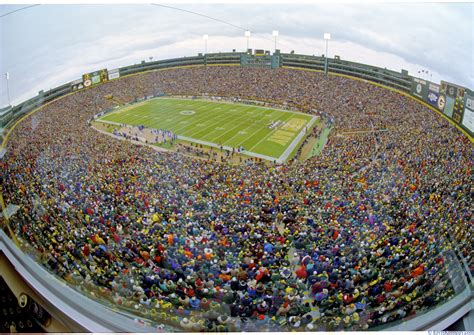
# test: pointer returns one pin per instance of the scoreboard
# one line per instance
(257, 61)
(94, 78)
(90, 79)
(454, 101)
(260, 60)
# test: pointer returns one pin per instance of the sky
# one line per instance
(45, 46)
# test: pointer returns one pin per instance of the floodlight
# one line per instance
(327, 37)
(275, 33)
(205, 37)
(247, 33)
(7, 77)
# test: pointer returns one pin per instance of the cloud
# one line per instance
(80, 39)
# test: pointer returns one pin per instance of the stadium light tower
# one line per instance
(275, 35)
(327, 37)
(247, 34)
(7, 77)
(205, 38)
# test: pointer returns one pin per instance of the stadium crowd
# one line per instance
(353, 238)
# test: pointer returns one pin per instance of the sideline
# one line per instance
(245, 152)
(132, 141)
(297, 139)
(320, 143)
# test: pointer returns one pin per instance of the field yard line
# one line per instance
(138, 119)
(221, 121)
(246, 129)
(125, 119)
(293, 144)
(240, 117)
(200, 105)
(265, 137)
(208, 118)
(258, 131)
(169, 124)
(237, 133)
(205, 118)
(248, 153)
(125, 108)
(239, 124)
(242, 103)
(230, 103)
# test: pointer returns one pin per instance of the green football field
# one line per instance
(262, 132)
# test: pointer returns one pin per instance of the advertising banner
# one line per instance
(458, 109)
(433, 98)
(468, 119)
(114, 74)
(95, 77)
(419, 88)
(434, 88)
(77, 84)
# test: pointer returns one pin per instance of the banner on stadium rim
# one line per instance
(452, 90)
(434, 88)
(434, 97)
(114, 74)
(96, 77)
(419, 88)
(77, 85)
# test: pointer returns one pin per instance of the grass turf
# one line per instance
(226, 124)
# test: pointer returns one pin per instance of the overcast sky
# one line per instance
(48, 45)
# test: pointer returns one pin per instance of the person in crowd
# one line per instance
(353, 238)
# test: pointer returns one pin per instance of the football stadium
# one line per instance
(239, 191)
